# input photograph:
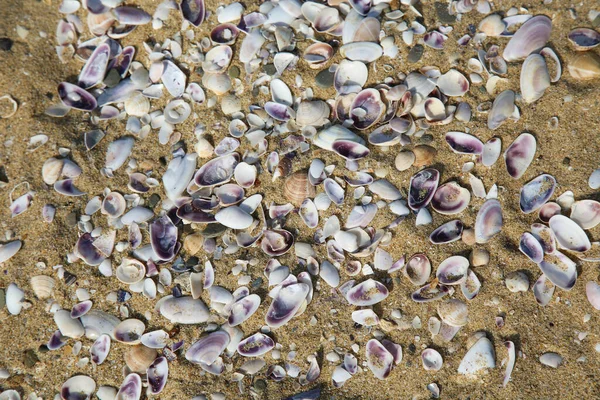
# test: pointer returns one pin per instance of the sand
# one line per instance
(30, 72)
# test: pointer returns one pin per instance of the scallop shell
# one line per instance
(138, 358)
(43, 286)
(453, 312)
(297, 188)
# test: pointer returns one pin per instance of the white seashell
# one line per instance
(330, 274)
(183, 310)
(365, 52)
(534, 78)
(8, 250)
(480, 356)
(14, 299)
(219, 84)
(78, 387)
(177, 111)
(569, 235)
(453, 83)
(250, 46)
(366, 317)
(130, 271)
(68, 326)
(245, 174)
(137, 105)
(98, 322)
(432, 360)
(350, 77)
(173, 78)
(234, 217)
(592, 291)
(552, 360)
(129, 331)
(43, 286)
(118, 152)
(586, 213)
(594, 179)
(52, 170)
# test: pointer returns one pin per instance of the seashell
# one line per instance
(550, 359)
(97, 322)
(309, 213)
(255, 345)
(131, 388)
(234, 217)
(114, 205)
(450, 198)
(453, 270)
(42, 286)
(530, 37)
(285, 304)
(245, 174)
(463, 143)
(543, 290)
(334, 191)
(118, 152)
(535, 78)
(78, 387)
(208, 349)
(502, 109)
(339, 377)
(130, 271)
(52, 170)
(94, 70)
(563, 276)
(183, 310)
(536, 193)
(430, 292)
(328, 136)
(350, 77)
(423, 186)
(80, 309)
(131, 16)
(217, 171)
(519, 154)
(584, 38)
(586, 213)
(138, 358)
(312, 113)
(14, 299)
(379, 360)
(67, 188)
(177, 111)
(243, 309)
(217, 59)
(531, 247)
(350, 150)
(361, 216)
(549, 210)
(75, 97)
(434, 110)
(251, 45)
(517, 281)
(224, 33)
(585, 66)
(317, 54)
(470, 287)
(365, 52)
(569, 235)
(449, 232)
(418, 269)
(480, 356)
(453, 83)
(432, 360)
(297, 188)
(384, 189)
(489, 221)
(367, 108)
(592, 291)
(365, 317)
(193, 11)
(435, 40)
(68, 326)
(367, 293)
(491, 151)
(492, 25)
(100, 349)
(361, 6)
(157, 374)
(276, 242)
(129, 331)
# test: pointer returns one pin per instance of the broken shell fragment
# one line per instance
(592, 291)
(502, 109)
(480, 356)
(543, 290)
(75, 97)
(585, 66)
(243, 309)
(489, 221)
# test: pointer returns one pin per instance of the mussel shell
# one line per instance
(255, 345)
(450, 198)
(489, 221)
(449, 232)
(536, 193)
(422, 188)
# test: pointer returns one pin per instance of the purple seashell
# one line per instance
(536, 193)
(243, 309)
(131, 16)
(431, 359)
(67, 188)
(276, 373)
(75, 97)
(531, 247)
(309, 213)
(255, 345)
(95, 6)
(350, 150)
(543, 290)
(314, 371)
(226, 146)
(361, 6)
(545, 236)
(224, 34)
(122, 62)
(280, 112)
(362, 179)
(56, 341)
(286, 303)
(435, 40)
(418, 269)
(585, 212)
(94, 70)
(121, 92)
(449, 232)
(519, 155)
(366, 108)
(163, 237)
(193, 10)
(453, 270)
(584, 38)
(215, 368)
(131, 388)
(209, 275)
(502, 109)
(92, 138)
(470, 286)
(549, 210)
(312, 394)
(157, 374)
(397, 266)
(217, 171)
(350, 363)
(530, 37)
(361, 215)
(394, 349)
(276, 242)
(100, 349)
(450, 198)
(592, 292)
(563, 276)
(379, 359)
(463, 143)
(429, 292)
(80, 309)
(422, 188)
(85, 249)
(208, 349)
(229, 194)
(79, 387)
(489, 221)
(367, 293)
(569, 235)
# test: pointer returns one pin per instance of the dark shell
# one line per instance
(224, 34)
(193, 11)
(163, 237)
(208, 349)
(369, 101)
(286, 303)
(56, 341)
(422, 188)
(519, 155)
(489, 221)
(536, 193)
(100, 349)
(447, 233)
(463, 143)
(361, 6)
(276, 242)
(75, 97)
(548, 211)
(584, 38)
(85, 249)
(255, 345)
(349, 149)
(531, 247)
(217, 171)
(80, 309)
(430, 292)
(450, 198)
(94, 69)
(157, 374)
(122, 62)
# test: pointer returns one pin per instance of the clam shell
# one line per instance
(78, 387)
(470, 287)
(42, 286)
(350, 77)
(530, 37)
(286, 303)
(453, 83)
(155, 339)
(535, 78)
(531, 247)
(491, 151)
(367, 108)
(463, 143)
(564, 275)
(434, 110)
(548, 211)
(365, 317)
(449, 232)
(502, 108)
(586, 213)
(224, 33)
(543, 290)
(100, 349)
(367, 293)
(131, 388)
(217, 171)
(536, 193)
(67, 326)
(243, 309)
(234, 217)
(81, 308)
(309, 213)
(584, 38)
(14, 299)
(297, 188)
(94, 70)
(453, 270)
(255, 345)
(114, 205)
(379, 360)
(386, 190)
(431, 360)
(183, 310)
(138, 358)
(519, 154)
(334, 191)
(430, 292)
(276, 242)
(569, 235)
(328, 136)
(317, 54)
(312, 113)
(489, 221)
(418, 269)
(585, 66)
(163, 237)
(130, 271)
(480, 356)
(450, 198)
(157, 374)
(550, 359)
(75, 97)
(592, 291)
(193, 11)
(208, 349)
(129, 331)
(365, 52)
(423, 186)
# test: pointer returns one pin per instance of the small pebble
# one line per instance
(6, 44)
(415, 53)
(270, 69)
(30, 358)
(324, 79)
(234, 72)
(404, 160)
(517, 281)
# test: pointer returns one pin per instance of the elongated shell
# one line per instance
(379, 360)
(535, 78)
(208, 348)
(489, 221)
(519, 155)
(530, 37)
(569, 235)
(536, 193)
(285, 305)
(367, 293)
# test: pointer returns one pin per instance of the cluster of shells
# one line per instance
(215, 189)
